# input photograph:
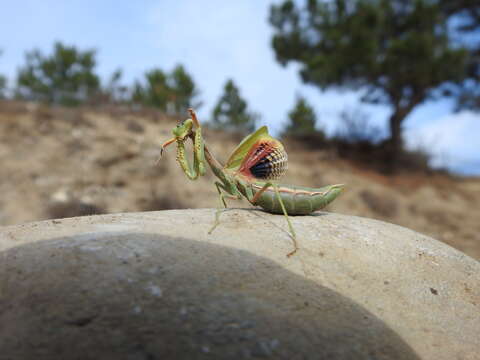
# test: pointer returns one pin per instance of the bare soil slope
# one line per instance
(59, 162)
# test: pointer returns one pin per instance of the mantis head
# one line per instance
(180, 132)
(183, 130)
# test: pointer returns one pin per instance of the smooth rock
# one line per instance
(158, 286)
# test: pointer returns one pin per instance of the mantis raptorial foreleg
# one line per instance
(198, 168)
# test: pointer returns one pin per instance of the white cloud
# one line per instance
(454, 140)
(217, 40)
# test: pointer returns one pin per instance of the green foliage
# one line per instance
(356, 128)
(184, 91)
(3, 83)
(398, 51)
(66, 77)
(466, 11)
(231, 111)
(469, 96)
(173, 93)
(155, 92)
(464, 17)
(114, 91)
(302, 119)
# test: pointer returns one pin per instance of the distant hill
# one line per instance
(63, 162)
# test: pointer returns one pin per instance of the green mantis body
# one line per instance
(256, 161)
(297, 200)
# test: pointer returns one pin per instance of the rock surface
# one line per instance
(157, 286)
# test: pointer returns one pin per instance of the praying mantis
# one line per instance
(250, 172)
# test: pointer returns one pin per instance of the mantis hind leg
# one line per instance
(221, 187)
(290, 226)
(292, 231)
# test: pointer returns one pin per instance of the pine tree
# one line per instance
(231, 111)
(464, 17)
(302, 119)
(157, 92)
(3, 83)
(397, 52)
(173, 92)
(184, 90)
(114, 91)
(65, 77)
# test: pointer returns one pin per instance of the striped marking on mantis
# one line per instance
(290, 190)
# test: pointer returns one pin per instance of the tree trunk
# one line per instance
(400, 112)
(395, 143)
(396, 131)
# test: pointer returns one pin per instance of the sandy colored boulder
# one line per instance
(157, 286)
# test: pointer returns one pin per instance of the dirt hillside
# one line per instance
(59, 162)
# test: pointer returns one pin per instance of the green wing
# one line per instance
(244, 147)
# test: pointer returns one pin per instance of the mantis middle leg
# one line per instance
(221, 187)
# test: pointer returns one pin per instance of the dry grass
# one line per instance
(385, 205)
(104, 161)
(72, 208)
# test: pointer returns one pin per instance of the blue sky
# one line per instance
(216, 40)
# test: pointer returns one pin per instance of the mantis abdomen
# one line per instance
(298, 200)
